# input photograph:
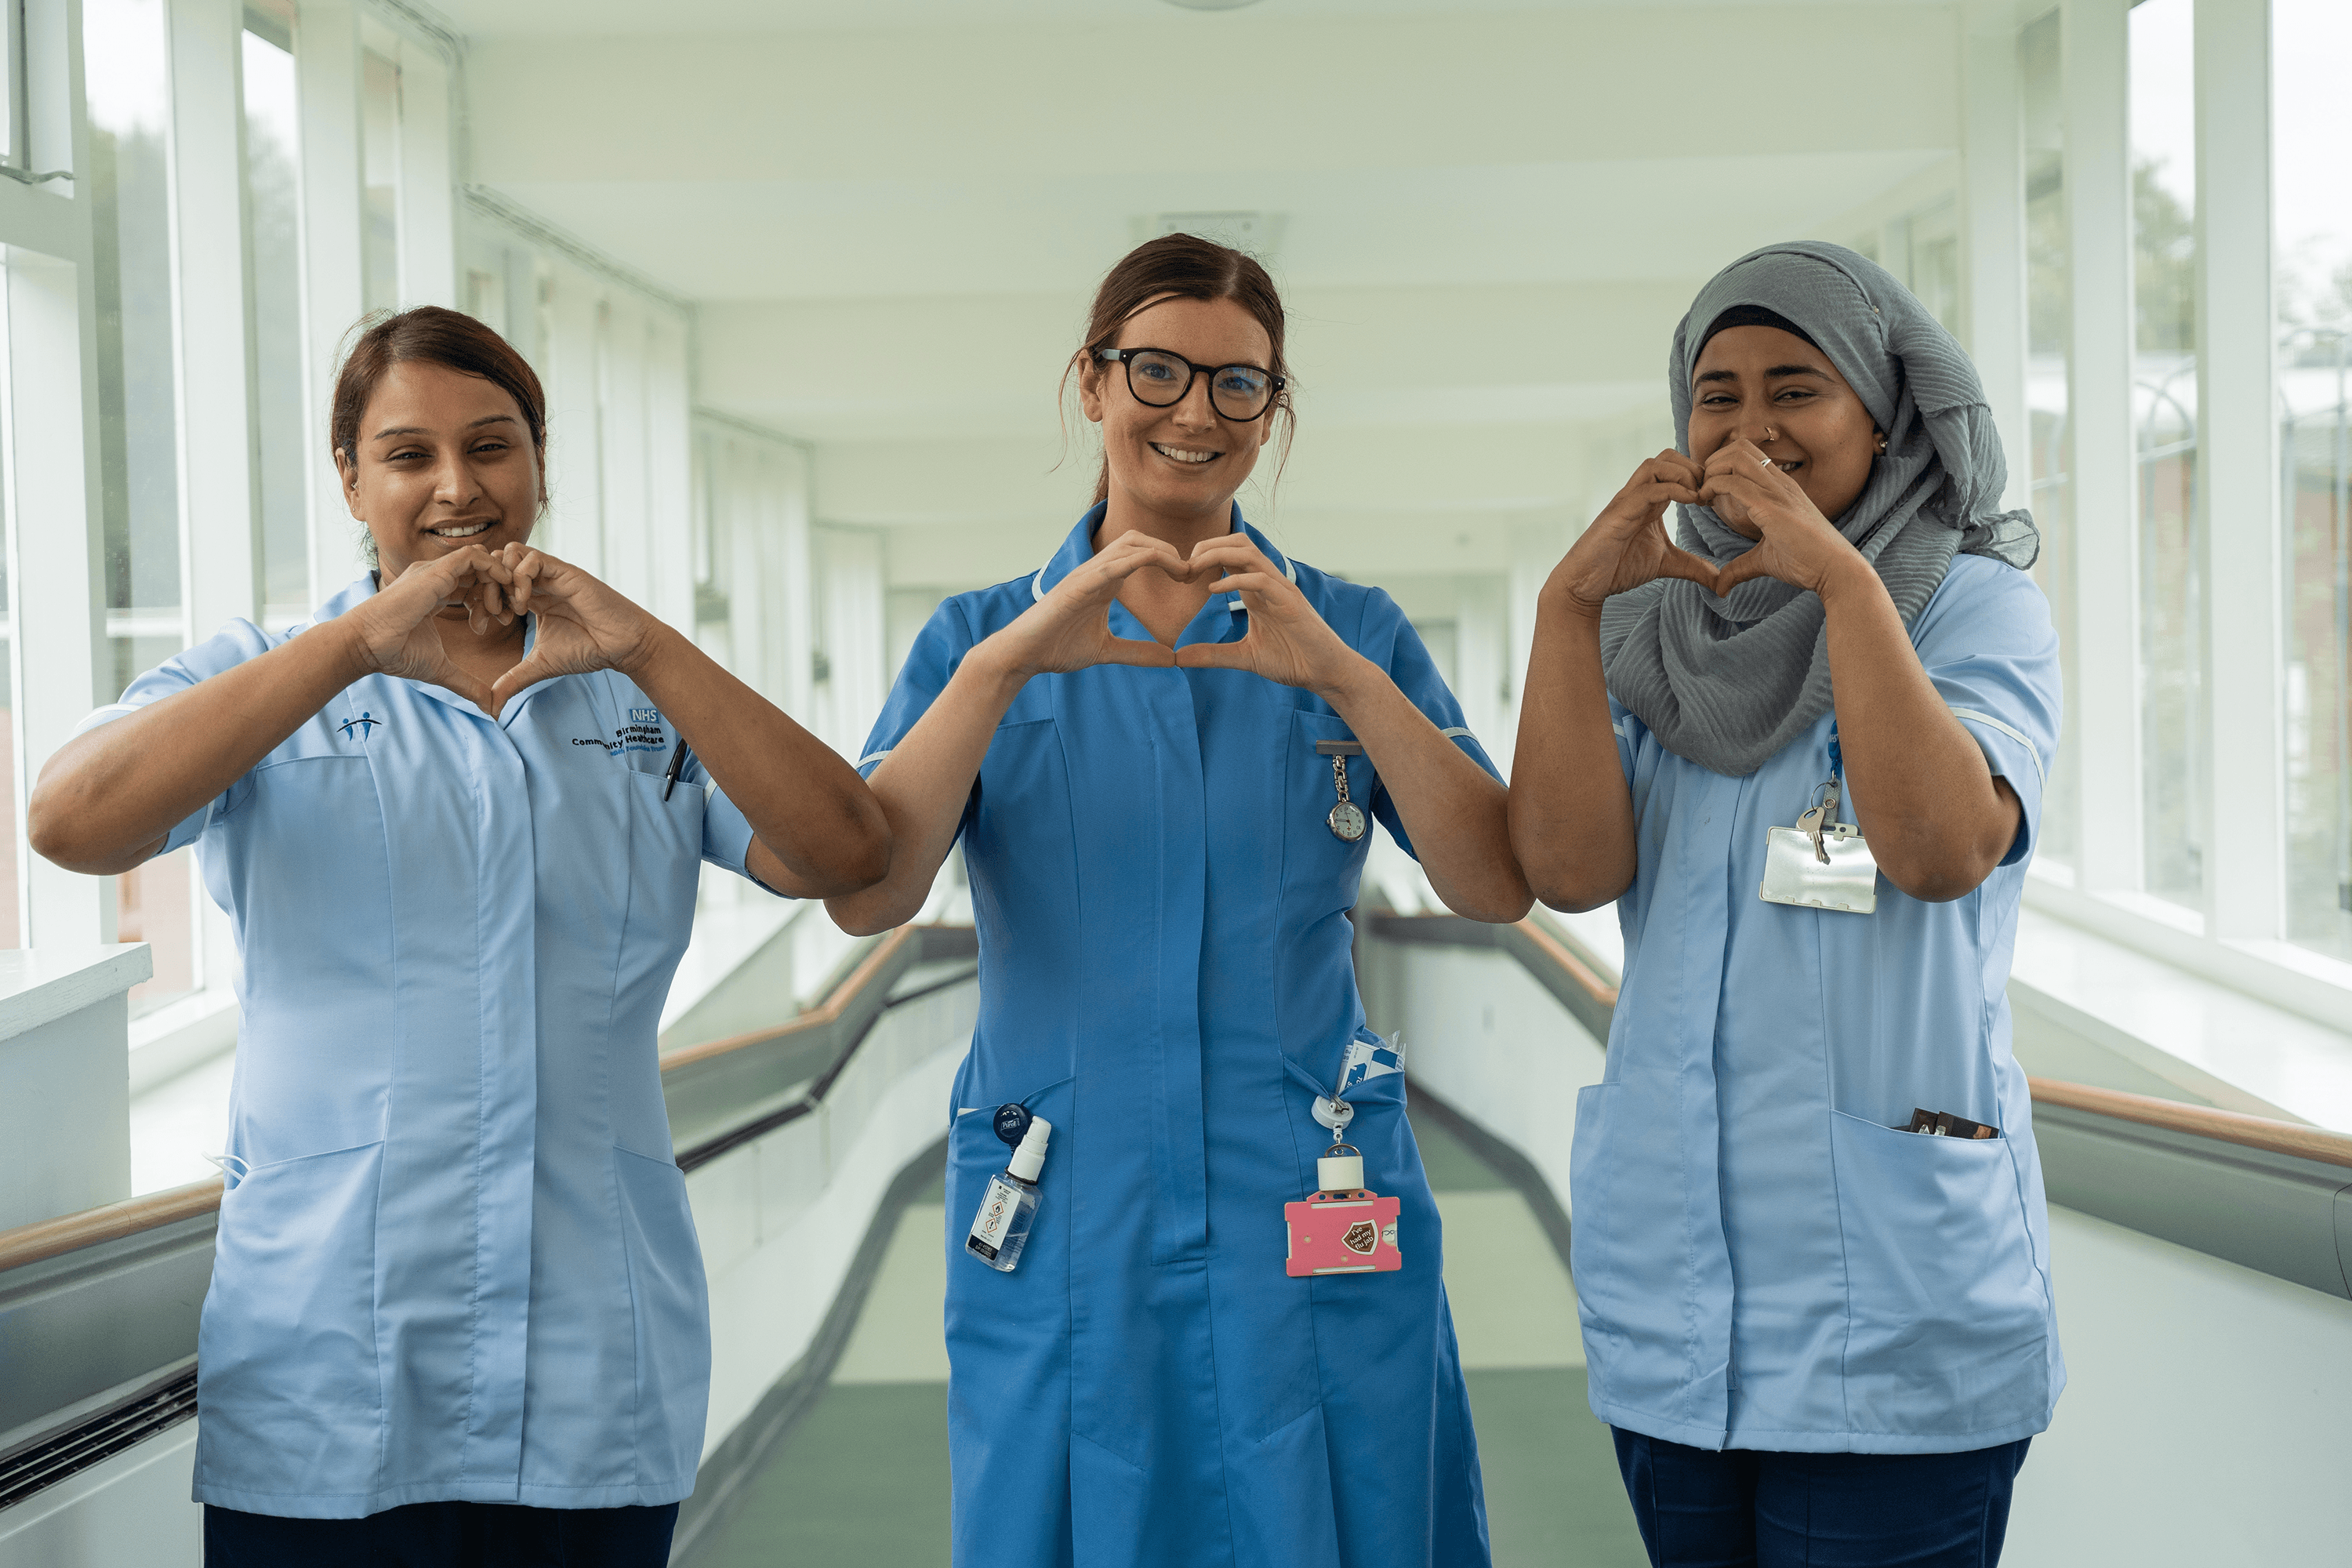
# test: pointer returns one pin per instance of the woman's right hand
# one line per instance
(1626, 545)
(1069, 628)
(396, 632)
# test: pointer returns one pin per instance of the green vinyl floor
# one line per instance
(863, 1478)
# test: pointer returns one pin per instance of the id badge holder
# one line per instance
(1821, 863)
(1343, 1228)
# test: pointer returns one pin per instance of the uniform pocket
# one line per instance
(1009, 1334)
(291, 1389)
(672, 1312)
(1321, 870)
(1948, 1315)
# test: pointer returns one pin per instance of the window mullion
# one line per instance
(327, 70)
(2103, 737)
(2244, 721)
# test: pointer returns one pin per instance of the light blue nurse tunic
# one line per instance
(1761, 1260)
(1166, 976)
(455, 1260)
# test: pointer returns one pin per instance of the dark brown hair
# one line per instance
(435, 336)
(1185, 266)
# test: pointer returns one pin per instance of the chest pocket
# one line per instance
(1017, 823)
(1321, 870)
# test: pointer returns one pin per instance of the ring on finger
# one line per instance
(1766, 461)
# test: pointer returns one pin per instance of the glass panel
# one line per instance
(156, 904)
(2312, 125)
(2049, 322)
(2164, 282)
(272, 182)
(137, 406)
(380, 126)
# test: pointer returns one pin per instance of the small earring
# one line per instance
(1882, 444)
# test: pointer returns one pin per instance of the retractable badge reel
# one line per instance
(1342, 1227)
(1821, 863)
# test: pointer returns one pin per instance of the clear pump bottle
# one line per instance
(1009, 1207)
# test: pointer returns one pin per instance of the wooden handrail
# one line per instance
(817, 1017)
(109, 1222)
(2294, 1137)
(68, 1232)
(1584, 975)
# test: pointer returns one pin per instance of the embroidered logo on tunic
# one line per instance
(366, 723)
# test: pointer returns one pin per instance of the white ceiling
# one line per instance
(542, 18)
(1488, 216)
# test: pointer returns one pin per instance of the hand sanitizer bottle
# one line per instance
(1009, 1207)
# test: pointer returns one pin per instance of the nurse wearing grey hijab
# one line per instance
(1816, 1338)
(1729, 681)
(1857, 405)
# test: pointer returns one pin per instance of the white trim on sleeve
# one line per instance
(1457, 733)
(1970, 715)
(876, 756)
(95, 715)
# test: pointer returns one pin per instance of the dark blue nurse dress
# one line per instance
(1166, 976)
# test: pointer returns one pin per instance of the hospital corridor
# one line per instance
(1175, 783)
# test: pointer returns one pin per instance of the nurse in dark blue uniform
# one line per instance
(1127, 741)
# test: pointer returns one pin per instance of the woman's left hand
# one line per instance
(1799, 546)
(1286, 641)
(583, 626)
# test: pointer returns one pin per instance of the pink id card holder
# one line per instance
(1342, 1233)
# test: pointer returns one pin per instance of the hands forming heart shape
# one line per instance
(582, 625)
(1627, 545)
(1286, 640)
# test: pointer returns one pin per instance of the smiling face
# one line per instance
(444, 460)
(1184, 461)
(1750, 380)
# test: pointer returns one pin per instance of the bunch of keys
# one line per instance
(1824, 817)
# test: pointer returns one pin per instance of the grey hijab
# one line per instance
(1727, 682)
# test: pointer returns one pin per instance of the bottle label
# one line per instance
(998, 1206)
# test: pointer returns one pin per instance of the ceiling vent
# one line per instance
(1252, 234)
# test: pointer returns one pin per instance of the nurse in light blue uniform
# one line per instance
(1125, 738)
(1822, 1338)
(455, 1263)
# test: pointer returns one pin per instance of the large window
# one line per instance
(274, 240)
(125, 57)
(380, 174)
(2312, 128)
(2048, 325)
(2164, 285)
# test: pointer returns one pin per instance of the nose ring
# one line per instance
(1770, 434)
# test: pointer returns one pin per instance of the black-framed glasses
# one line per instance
(1238, 392)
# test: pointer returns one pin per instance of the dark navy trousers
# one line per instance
(445, 1535)
(1745, 1509)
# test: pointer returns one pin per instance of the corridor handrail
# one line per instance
(824, 1014)
(54, 1238)
(46, 1239)
(2298, 1139)
(1530, 940)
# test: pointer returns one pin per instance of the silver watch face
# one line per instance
(1347, 820)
